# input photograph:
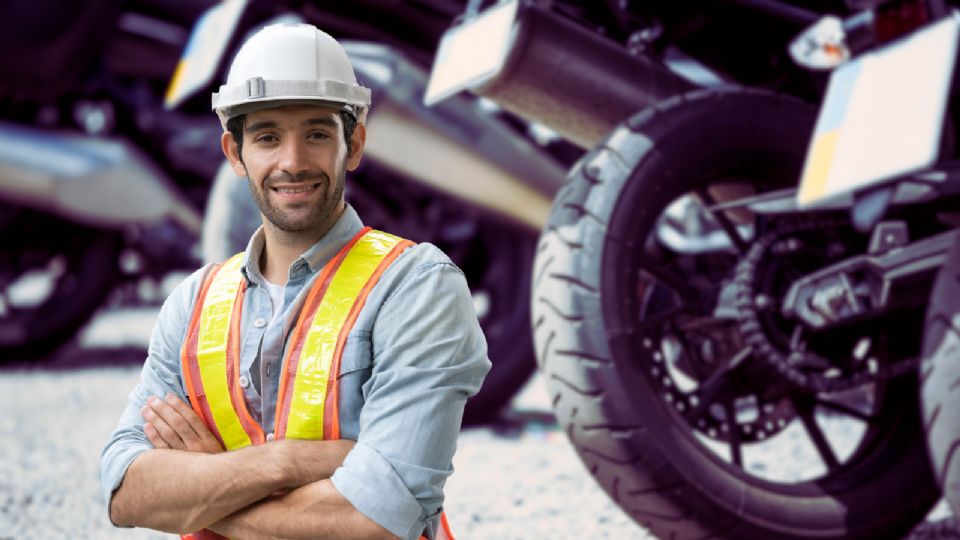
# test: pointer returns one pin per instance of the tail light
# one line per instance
(832, 41)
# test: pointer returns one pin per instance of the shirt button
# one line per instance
(269, 368)
(270, 436)
(244, 382)
(260, 323)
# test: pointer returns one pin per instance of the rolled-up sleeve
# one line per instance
(160, 375)
(429, 356)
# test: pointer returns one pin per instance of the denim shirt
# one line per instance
(414, 355)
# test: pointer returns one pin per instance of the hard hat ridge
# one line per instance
(287, 64)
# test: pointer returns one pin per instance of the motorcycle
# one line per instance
(695, 324)
(911, 169)
(99, 188)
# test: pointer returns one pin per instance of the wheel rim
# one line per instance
(737, 410)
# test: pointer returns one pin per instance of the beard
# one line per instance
(312, 217)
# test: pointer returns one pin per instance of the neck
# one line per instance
(281, 247)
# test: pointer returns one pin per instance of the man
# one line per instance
(331, 362)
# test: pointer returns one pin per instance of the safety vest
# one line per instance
(307, 404)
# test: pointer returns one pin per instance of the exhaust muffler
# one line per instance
(97, 181)
(554, 72)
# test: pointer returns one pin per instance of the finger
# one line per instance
(162, 431)
(163, 428)
(187, 412)
(201, 439)
(155, 439)
(173, 418)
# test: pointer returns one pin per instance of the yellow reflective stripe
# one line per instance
(212, 352)
(305, 417)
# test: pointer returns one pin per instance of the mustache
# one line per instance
(284, 177)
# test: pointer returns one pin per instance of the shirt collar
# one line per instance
(311, 260)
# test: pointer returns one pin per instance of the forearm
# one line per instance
(182, 492)
(177, 491)
(316, 510)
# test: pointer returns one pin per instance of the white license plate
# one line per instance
(882, 116)
(201, 57)
(472, 53)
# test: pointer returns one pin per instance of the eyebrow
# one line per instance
(326, 121)
(270, 124)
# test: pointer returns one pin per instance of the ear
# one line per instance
(229, 146)
(357, 143)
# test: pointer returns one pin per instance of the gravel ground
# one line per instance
(524, 473)
(517, 480)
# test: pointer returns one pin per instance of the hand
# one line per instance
(171, 423)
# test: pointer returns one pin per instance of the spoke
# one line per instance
(736, 453)
(796, 337)
(654, 321)
(703, 323)
(738, 358)
(692, 353)
(676, 284)
(716, 384)
(847, 410)
(723, 219)
(805, 410)
(719, 374)
(4, 303)
(677, 299)
(707, 394)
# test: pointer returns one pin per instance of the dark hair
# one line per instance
(235, 127)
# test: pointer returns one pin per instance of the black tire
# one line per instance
(940, 379)
(80, 265)
(598, 368)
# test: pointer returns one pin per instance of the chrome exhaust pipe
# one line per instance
(100, 182)
(574, 81)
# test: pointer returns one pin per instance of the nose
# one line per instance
(292, 156)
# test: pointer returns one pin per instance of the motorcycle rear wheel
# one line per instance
(53, 277)
(606, 372)
(940, 379)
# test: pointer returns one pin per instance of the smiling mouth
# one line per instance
(297, 189)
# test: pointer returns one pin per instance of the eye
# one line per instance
(318, 135)
(266, 138)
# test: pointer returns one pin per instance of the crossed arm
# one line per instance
(276, 490)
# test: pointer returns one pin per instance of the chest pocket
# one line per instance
(355, 368)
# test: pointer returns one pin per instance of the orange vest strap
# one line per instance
(311, 367)
(444, 531)
(253, 429)
(291, 361)
(211, 357)
(331, 422)
(188, 358)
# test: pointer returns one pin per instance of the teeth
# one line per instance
(294, 190)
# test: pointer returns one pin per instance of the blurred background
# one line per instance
(113, 189)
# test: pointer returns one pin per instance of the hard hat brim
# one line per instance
(240, 109)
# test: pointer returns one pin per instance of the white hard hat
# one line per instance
(288, 64)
